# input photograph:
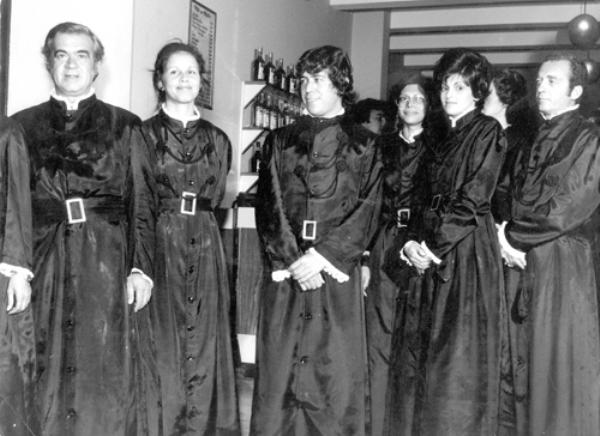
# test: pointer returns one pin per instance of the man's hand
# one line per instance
(418, 255)
(139, 290)
(365, 278)
(19, 294)
(312, 283)
(512, 257)
(306, 267)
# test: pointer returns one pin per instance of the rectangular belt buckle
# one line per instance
(188, 203)
(309, 230)
(403, 217)
(75, 210)
(435, 202)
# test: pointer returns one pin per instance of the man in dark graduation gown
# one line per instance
(93, 232)
(17, 344)
(550, 235)
(317, 206)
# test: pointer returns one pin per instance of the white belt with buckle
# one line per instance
(75, 210)
(309, 230)
(188, 203)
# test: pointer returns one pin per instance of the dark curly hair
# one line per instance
(337, 64)
(510, 86)
(163, 57)
(472, 66)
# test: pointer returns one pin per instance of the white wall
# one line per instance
(133, 31)
(286, 27)
(28, 80)
(369, 54)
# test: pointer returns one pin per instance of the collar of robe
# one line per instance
(463, 121)
(82, 105)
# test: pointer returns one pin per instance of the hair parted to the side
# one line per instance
(510, 86)
(163, 57)
(70, 28)
(473, 67)
(579, 74)
(336, 62)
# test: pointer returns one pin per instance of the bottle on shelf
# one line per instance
(274, 118)
(258, 112)
(280, 76)
(268, 111)
(292, 80)
(258, 65)
(269, 70)
(255, 158)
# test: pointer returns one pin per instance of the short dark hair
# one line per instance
(579, 73)
(336, 62)
(71, 28)
(163, 57)
(510, 86)
(361, 110)
(472, 66)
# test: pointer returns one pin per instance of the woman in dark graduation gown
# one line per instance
(190, 309)
(401, 153)
(318, 196)
(455, 244)
(507, 103)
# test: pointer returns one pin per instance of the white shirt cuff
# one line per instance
(329, 268)
(280, 275)
(12, 270)
(144, 276)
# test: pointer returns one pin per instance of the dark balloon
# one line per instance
(584, 30)
(593, 70)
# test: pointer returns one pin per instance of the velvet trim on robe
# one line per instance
(389, 274)
(191, 306)
(447, 379)
(311, 350)
(554, 220)
(90, 357)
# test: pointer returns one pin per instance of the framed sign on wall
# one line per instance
(202, 35)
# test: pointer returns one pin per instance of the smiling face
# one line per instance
(73, 67)
(457, 96)
(319, 95)
(553, 88)
(181, 79)
(412, 105)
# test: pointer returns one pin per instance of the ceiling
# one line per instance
(508, 32)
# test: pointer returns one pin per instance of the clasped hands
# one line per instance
(512, 257)
(307, 271)
(419, 255)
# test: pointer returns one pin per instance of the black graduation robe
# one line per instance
(311, 351)
(553, 220)
(190, 308)
(17, 336)
(455, 368)
(389, 275)
(88, 352)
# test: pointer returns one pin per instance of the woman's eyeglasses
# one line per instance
(415, 99)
